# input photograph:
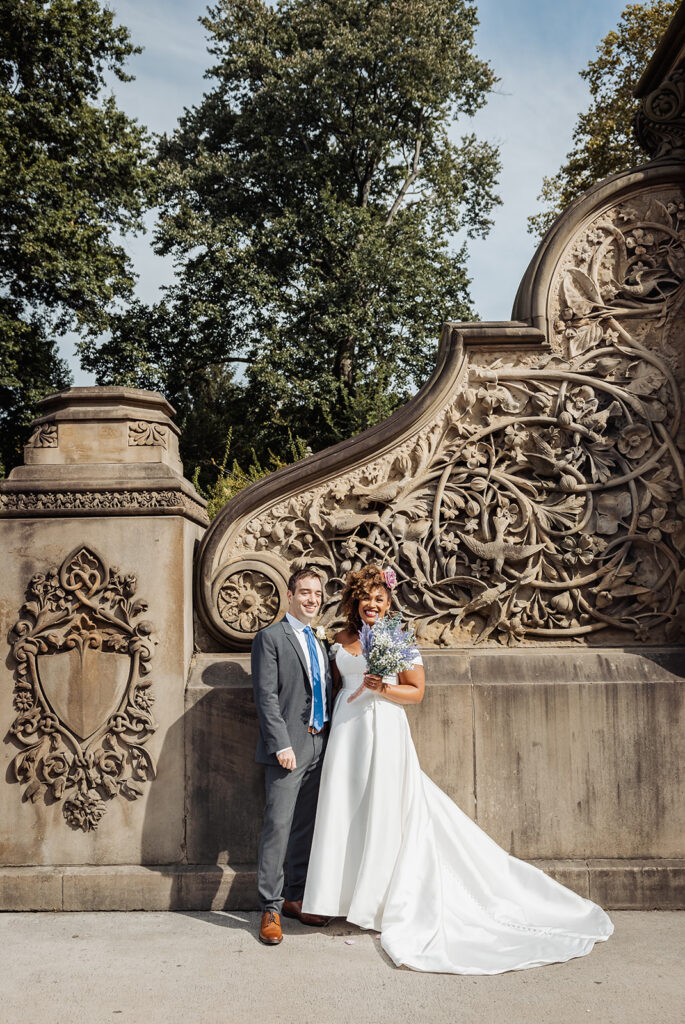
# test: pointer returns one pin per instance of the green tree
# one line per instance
(73, 176)
(310, 203)
(603, 141)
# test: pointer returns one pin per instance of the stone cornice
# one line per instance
(18, 502)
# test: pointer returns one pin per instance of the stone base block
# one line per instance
(614, 884)
(128, 887)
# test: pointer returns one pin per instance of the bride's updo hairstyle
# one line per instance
(357, 585)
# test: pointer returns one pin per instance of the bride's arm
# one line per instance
(409, 689)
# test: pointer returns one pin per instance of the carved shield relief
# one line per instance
(82, 652)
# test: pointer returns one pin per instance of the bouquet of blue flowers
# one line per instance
(387, 648)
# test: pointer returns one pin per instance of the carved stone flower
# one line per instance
(635, 440)
(578, 549)
(653, 522)
(144, 699)
(508, 508)
(349, 547)
(247, 601)
(475, 455)
(449, 541)
(514, 435)
(639, 240)
(84, 811)
(479, 568)
(581, 401)
(23, 701)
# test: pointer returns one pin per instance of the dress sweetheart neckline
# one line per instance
(343, 648)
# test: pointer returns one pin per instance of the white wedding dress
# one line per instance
(393, 853)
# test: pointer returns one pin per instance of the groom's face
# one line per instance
(304, 602)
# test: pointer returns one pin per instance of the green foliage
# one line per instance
(228, 483)
(603, 136)
(309, 202)
(73, 175)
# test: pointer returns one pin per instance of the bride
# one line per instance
(392, 852)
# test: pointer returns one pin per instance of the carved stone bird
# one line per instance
(498, 550)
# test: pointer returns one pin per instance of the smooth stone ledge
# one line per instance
(492, 666)
(613, 884)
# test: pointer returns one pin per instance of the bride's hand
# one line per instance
(369, 682)
(373, 682)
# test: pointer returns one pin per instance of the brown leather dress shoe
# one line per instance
(270, 931)
(293, 908)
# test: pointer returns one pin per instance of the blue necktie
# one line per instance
(317, 691)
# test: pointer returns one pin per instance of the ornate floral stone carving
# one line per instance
(44, 436)
(545, 500)
(143, 433)
(94, 501)
(82, 650)
(660, 121)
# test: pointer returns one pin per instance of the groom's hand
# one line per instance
(286, 759)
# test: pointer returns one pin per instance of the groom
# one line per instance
(292, 685)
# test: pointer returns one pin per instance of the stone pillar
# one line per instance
(98, 530)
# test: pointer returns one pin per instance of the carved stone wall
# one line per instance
(539, 497)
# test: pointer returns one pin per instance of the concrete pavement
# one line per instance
(209, 968)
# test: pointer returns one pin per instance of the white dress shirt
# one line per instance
(298, 629)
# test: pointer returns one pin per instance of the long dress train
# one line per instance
(393, 853)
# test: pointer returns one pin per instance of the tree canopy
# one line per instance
(603, 140)
(73, 176)
(310, 203)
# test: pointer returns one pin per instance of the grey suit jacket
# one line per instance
(282, 691)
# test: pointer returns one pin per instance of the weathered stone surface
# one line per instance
(225, 787)
(103, 425)
(120, 887)
(128, 887)
(582, 769)
(30, 888)
(638, 885)
(615, 884)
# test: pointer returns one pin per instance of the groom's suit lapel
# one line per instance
(290, 633)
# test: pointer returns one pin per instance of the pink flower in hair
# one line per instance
(390, 578)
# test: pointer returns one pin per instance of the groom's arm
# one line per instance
(265, 685)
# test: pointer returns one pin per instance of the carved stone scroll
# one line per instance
(44, 436)
(142, 433)
(660, 121)
(82, 650)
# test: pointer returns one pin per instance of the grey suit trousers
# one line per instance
(289, 815)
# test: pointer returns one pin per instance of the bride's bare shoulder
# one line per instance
(344, 637)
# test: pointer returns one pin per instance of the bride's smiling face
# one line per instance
(374, 605)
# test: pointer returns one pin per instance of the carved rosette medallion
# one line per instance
(250, 594)
(83, 702)
(545, 499)
(144, 433)
(44, 436)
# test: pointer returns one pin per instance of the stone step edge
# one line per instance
(614, 884)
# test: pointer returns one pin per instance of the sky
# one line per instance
(536, 47)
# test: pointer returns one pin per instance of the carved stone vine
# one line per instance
(547, 500)
(82, 650)
(95, 501)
